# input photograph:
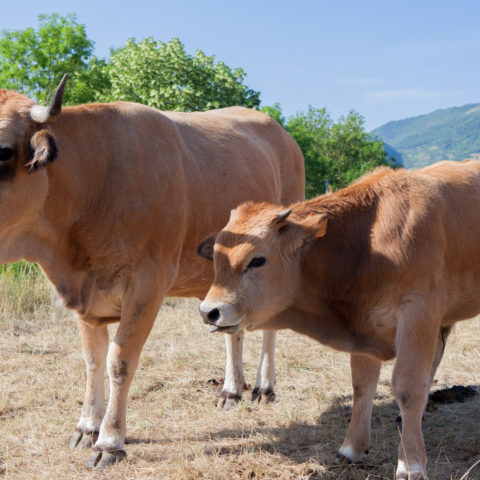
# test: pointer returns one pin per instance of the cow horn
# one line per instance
(41, 114)
(283, 215)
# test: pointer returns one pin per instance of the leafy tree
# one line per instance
(335, 152)
(164, 76)
(158, 74)
(34, 61)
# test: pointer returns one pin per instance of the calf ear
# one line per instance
(43, 150)
(315, 225)
(205, 249)
(297, 234)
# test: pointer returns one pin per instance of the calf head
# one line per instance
(257, 265)
(26, 145)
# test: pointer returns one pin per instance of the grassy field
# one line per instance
(174, 430)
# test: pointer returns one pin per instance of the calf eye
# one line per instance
(6, 153)
(256, 262)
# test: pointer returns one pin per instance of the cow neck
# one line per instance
(59, 239)
(335, 269)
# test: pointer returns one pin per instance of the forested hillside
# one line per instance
(449, 134)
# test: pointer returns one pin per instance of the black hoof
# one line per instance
(106, 458)
(263, 395)
(342, 460)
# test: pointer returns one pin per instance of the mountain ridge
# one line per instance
(444, 134)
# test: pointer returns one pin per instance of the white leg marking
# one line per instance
(234, 378)
(93, 411)
(266, 369)
(404, 472)
(349, 453)
(109, 442)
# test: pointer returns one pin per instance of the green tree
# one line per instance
(164, 76)
(34, 61)
(337, 152)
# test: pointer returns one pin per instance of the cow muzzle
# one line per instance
(221, 316)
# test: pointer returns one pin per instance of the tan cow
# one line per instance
(115, 221)
(380, 269)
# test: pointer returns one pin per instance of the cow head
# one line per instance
(257, 265)
(26, 145)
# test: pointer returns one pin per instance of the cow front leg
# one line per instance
(416, 342)
(365, 373)
(95, 346)
(138, 315)
(265, 381)
(234, 382)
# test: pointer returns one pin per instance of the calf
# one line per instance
(380, 269)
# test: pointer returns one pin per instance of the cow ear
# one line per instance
(43, 149)
(205, 249)
(305, 231)
(315, 225)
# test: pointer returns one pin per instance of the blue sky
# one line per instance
(385, 59)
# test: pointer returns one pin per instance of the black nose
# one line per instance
(213, 315)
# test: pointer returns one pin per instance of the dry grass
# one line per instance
(175, 432)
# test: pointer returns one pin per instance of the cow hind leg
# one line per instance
(265, 381)
(234, 382)
(95, 346)
(365, 373)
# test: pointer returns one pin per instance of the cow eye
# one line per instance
(6, 153)
(256, 262)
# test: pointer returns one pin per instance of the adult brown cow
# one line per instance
(115, 221)
(380, 269)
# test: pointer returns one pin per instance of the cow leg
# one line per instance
(95, 346)
(234, 382)
(365, 373)
(139, 310)
(265, 381)
(439, 350)
(416, 342)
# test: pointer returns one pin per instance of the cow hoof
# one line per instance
(88, 440)
(83, 440)
(227, 401)
(106, 458)
(263, 395)
(75, 440)
(342, 459)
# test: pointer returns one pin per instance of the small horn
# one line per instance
(283, 215)
(41, 114)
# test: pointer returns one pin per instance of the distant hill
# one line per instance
(394, 154)
(449, 134)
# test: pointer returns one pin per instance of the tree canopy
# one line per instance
(336, 152)
(161, 75)
(34, 61)
(165, 76)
